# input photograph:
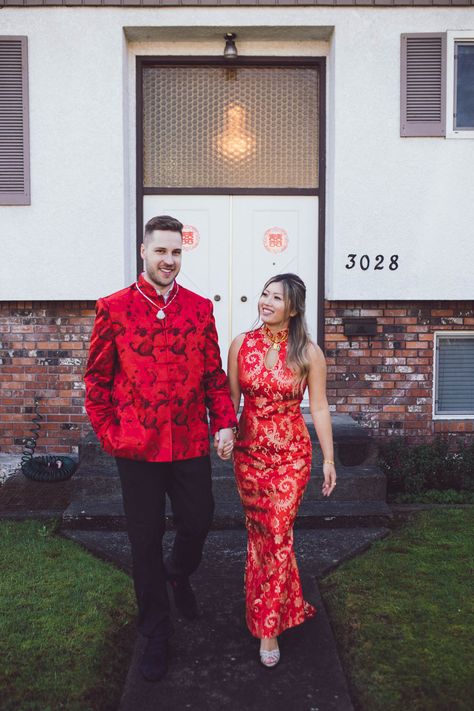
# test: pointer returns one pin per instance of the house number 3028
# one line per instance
(363, 262)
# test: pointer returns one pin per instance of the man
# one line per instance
(153, 374)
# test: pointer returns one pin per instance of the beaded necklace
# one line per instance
(275, 338)
(161, 309)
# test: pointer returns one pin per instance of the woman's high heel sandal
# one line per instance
(270, 658)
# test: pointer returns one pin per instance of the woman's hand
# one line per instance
(319, 408)
(224, 443)
(329, 471)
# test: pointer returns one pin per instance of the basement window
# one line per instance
(454, 375)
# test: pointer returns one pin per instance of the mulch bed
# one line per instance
(23, 498)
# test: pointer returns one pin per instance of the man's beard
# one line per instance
(156, 280)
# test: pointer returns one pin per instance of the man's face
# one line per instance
(161, 254)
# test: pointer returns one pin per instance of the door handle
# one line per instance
(243, 298)
(217, 297)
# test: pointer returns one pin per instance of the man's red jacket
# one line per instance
(149, 381)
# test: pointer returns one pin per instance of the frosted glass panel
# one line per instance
(230, 127)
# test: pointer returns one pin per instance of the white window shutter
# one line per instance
(14, 128)
(423, 84)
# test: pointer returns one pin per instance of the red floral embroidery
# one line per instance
(149, 381)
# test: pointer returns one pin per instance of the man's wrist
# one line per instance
(234, 429)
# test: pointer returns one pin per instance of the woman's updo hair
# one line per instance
(294, 293)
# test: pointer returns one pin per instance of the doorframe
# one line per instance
(320, 192)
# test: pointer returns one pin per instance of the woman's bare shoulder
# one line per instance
(316, 355)
(237, 343)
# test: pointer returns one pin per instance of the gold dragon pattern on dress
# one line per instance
(272, 460)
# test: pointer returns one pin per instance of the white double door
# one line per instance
(233, 244)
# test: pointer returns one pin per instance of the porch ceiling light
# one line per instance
(230, 50)
(236, 143)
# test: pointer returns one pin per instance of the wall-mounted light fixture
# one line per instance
(230, 50)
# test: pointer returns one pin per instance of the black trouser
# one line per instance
(144, 489)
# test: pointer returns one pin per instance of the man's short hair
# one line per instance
(163, 222)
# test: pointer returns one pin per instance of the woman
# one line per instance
(271, 366)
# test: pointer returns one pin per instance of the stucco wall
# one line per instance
(385, 195)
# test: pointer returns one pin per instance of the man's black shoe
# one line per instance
(154, 662)
(184, 597)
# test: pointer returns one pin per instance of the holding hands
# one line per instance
(224, 443)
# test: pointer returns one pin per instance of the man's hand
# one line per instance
(224, 442)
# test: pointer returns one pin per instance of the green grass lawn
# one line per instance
(403, 616)
(65, 623)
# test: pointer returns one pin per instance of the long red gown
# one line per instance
(272, 459)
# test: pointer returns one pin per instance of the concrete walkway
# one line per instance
(214, 663)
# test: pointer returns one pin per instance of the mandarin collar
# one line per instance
(152, 293)
(277, 334)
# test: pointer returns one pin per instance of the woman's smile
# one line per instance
(272, 307)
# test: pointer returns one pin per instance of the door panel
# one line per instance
(239, 242)
(272, 235)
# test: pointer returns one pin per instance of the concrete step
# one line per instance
(359, 498)
(353, 445)
(105, 511)
(361, 483)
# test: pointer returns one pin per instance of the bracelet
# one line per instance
(328, 461)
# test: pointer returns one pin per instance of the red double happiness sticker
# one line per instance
(190, 237)
(275, 240)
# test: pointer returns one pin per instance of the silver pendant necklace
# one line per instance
(160, 314)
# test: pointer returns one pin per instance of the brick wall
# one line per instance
(43, 350)
(386, 382)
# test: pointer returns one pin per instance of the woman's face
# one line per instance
(272, 307)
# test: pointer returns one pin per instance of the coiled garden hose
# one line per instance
(49, 467)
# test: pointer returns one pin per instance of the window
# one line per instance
(460, 85)
(454, 375)
(464, 86)
(247, 127)
(14, 133)
(437, 84)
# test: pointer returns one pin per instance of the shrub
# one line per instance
(412, 470)
(465, 463)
